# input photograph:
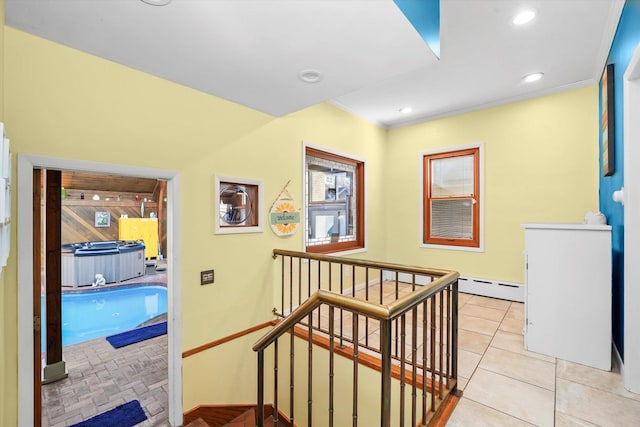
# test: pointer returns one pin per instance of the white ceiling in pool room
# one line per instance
(370, 60)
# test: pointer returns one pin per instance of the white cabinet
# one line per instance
(568, 292)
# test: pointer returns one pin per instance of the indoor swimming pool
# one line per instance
(102, 312)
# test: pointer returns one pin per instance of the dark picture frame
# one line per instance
(607, 122)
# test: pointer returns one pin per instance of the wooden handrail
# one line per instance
(316, 300)
(391, 317)
(228, 338)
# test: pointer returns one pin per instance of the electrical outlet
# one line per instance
(206, 277)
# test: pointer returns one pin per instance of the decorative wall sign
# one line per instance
(284, 217)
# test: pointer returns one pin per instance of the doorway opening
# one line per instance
(28, 381)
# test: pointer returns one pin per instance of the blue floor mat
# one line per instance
(136, 335)
(126, 415)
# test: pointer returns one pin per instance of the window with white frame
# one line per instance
(451, 199)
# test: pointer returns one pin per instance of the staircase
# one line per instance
(248, 419)
(225, 417)
(381, 326)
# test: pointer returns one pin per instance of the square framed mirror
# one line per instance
(238, 205)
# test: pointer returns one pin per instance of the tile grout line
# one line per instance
(488, 345)
(517, 379)
(500, 411)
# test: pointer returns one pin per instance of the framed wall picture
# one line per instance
(238, 205)
(607, 122)
(103, 219)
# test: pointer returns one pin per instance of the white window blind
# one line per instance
(452, 176)
(452, 218)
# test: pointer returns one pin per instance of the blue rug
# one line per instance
(126, 415)
(136, 335)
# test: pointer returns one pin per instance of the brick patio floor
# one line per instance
(101, 378)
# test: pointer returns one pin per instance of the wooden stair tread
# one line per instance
(197, 423)
(240, 416)
(248, 419)
(245, 419)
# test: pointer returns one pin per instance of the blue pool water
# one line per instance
(102, 312)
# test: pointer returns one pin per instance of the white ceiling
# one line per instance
(371, 60)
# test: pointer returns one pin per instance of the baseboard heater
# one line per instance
(492, 288)
(471, 285)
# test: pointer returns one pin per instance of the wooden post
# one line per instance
(55, 369)
(37, 291)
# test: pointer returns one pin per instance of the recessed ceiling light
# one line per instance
(533, 77)
(405, 110)
(310, 76)
(524, 17)
(156, 2)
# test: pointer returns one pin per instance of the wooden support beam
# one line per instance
(55, 369)
(53, 275)
(37, 291)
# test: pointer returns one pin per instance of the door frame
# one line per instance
(631, 176)
(26, 164)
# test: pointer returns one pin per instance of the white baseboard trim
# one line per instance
(470, 285)
(492, 288)
(407, 278)
(616, 359)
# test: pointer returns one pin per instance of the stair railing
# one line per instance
(426, 313)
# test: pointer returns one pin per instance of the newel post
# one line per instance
(260, 405)
(385, 351)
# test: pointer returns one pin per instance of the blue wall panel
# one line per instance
(624, 44)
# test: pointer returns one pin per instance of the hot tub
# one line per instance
(116, 260)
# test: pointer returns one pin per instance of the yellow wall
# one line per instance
(64, 103)
(369, 387)
(540, 157)
(6, 400)
(215, 378)
(540, 164)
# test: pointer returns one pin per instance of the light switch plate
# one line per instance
(206, 277)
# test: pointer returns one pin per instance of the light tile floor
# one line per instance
(505, 385)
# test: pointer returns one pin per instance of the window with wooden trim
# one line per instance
(334, 202)
(451, 202)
